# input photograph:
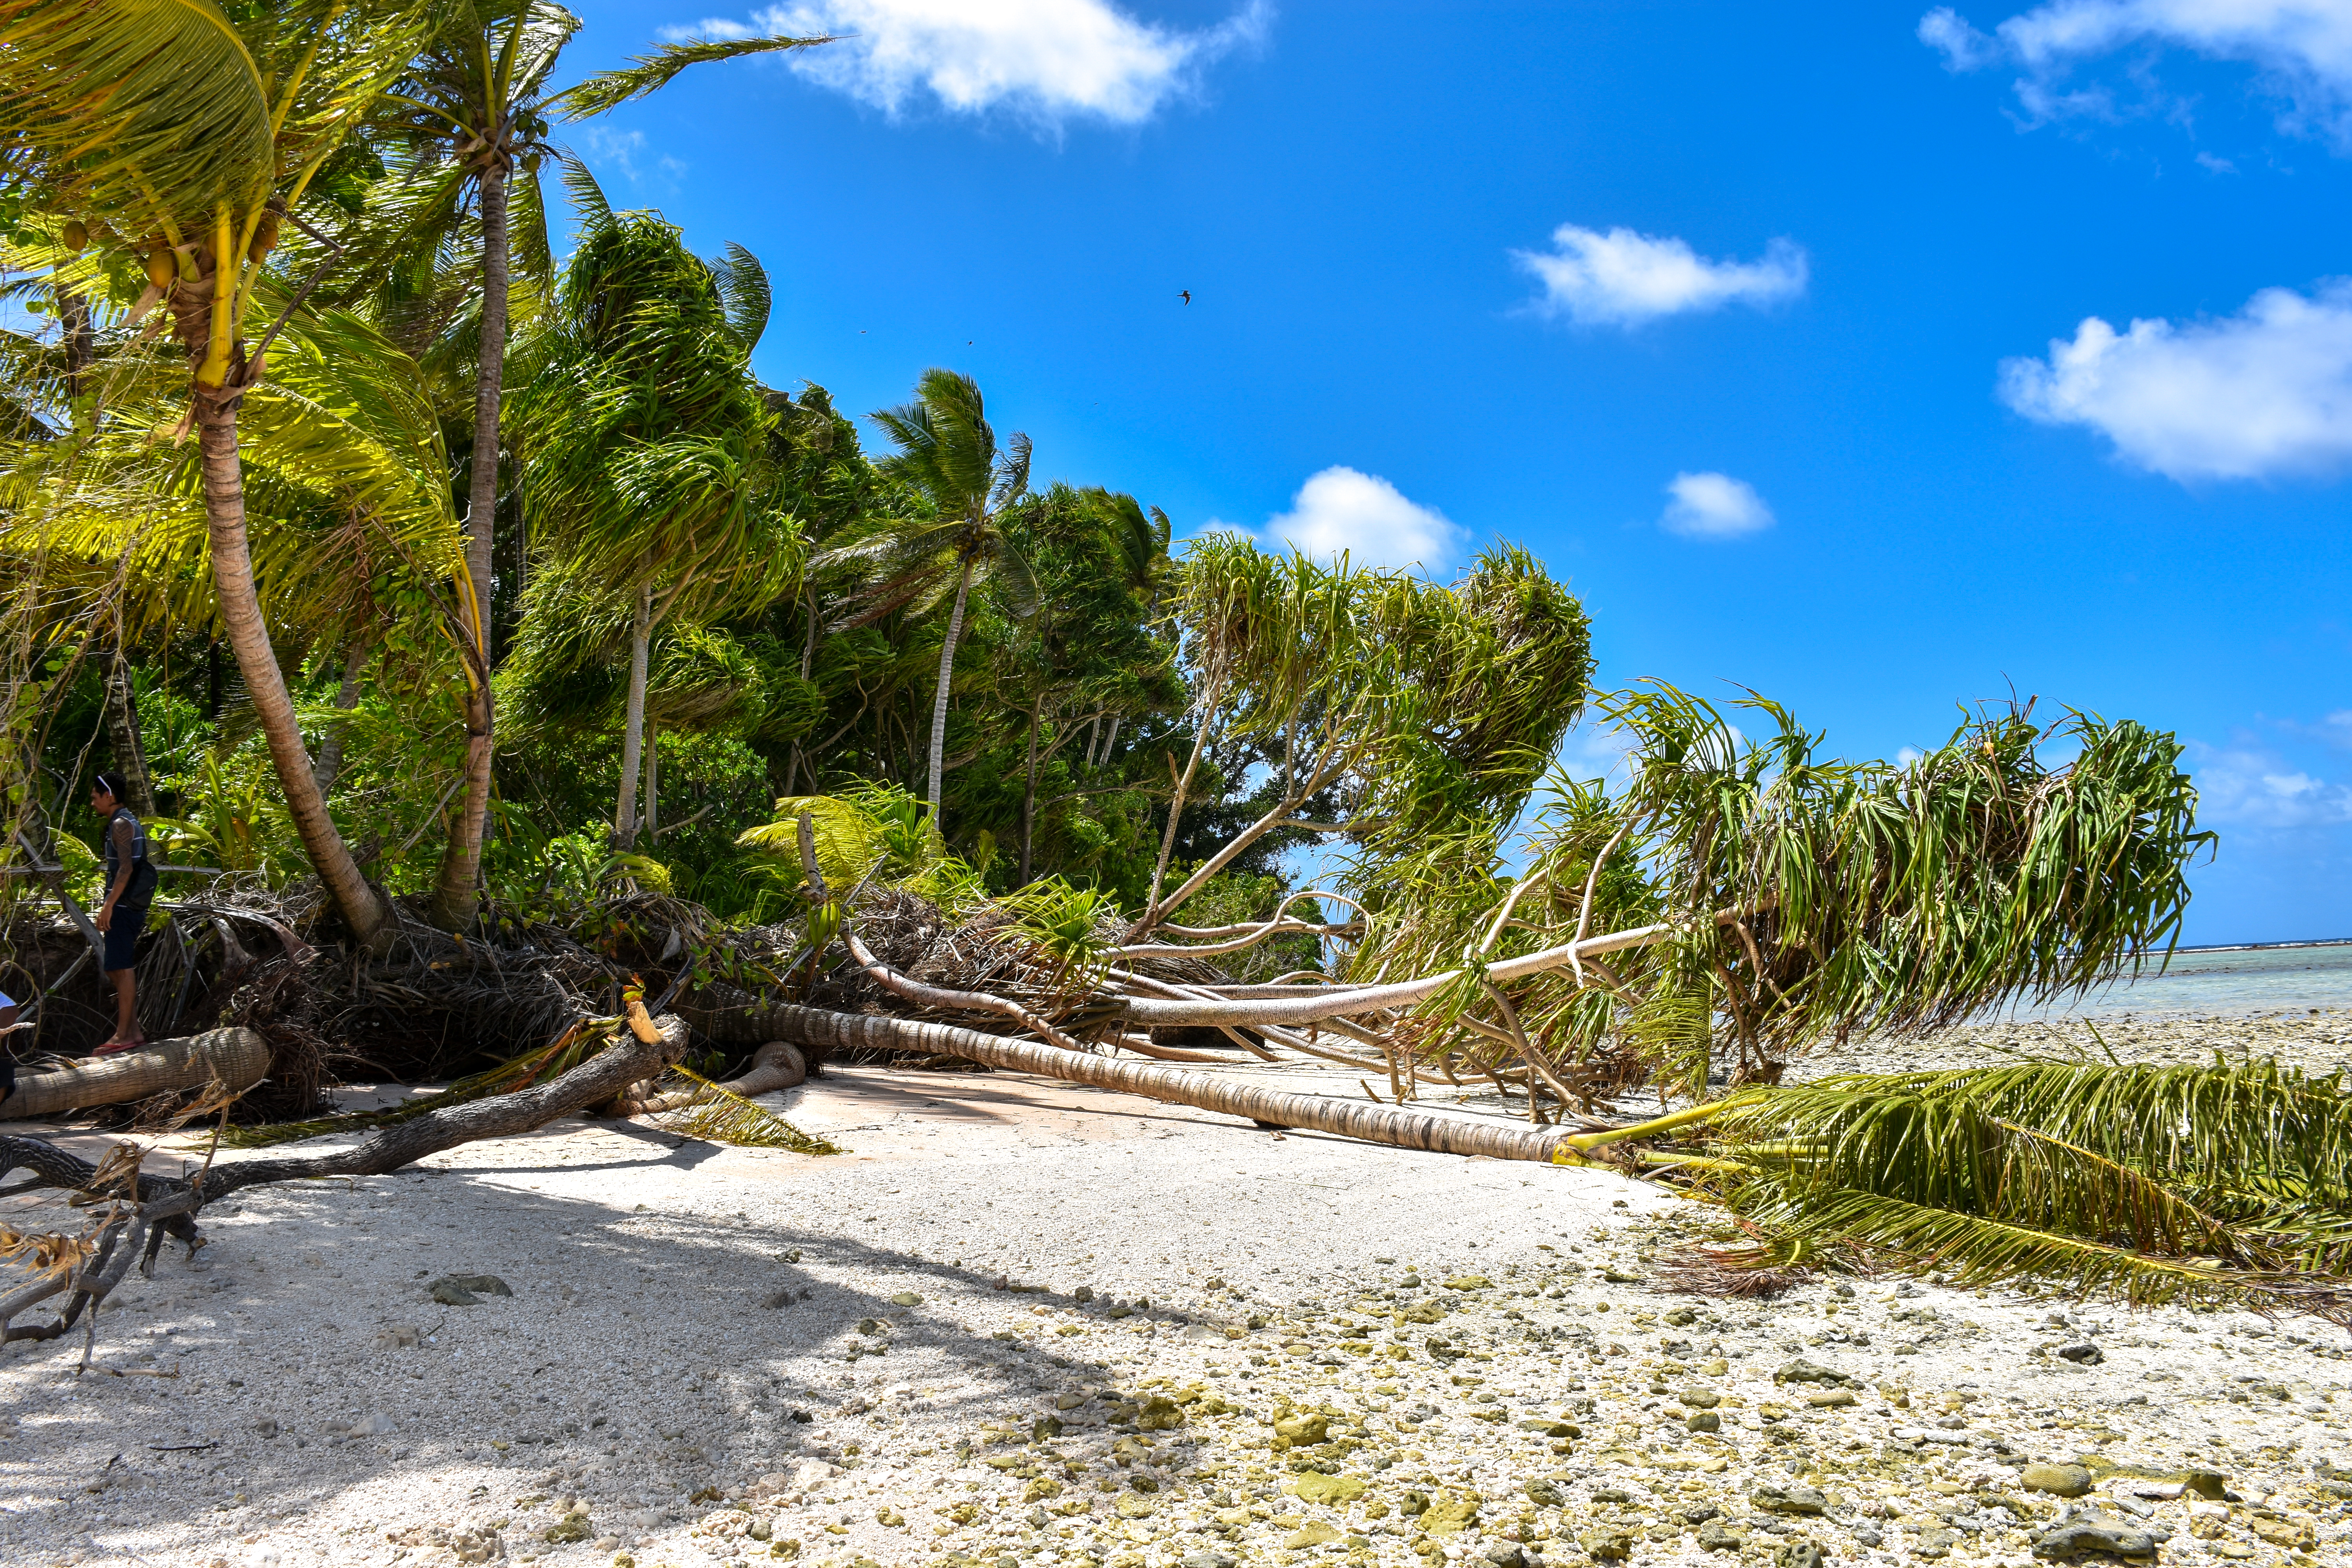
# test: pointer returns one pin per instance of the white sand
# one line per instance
(635, 1368)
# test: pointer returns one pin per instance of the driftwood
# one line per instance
(1373, 1123)
(237, 1058)
(141, 1210)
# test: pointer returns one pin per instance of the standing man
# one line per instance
(129, 889)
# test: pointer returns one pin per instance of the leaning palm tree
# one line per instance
(947, 452)
(474, 110)
(646, 439)
(185, 138)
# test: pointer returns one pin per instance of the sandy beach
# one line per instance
(1023, 1322)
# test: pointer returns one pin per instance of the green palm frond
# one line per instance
(124, 106)
(743, 285)
(1974, 1252)
(649, 73)
(719, 1115)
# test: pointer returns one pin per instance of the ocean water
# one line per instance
(2210, 981)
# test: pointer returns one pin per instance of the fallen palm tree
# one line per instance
(233, 1059)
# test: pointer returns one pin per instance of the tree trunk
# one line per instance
(347, 697)
(653, 779)
(633, 721)
(236, 1057)
(123, 734)
(454, 897)
(1029, 794)
(940, 701)
(482, 491)
(248, 637)
(836, 1032)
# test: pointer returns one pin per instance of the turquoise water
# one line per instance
(2228, 980)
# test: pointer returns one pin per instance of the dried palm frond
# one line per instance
(717, 1115)
(1753, 1272)
(46, 1254)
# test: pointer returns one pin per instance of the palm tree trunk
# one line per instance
(940, 701)
(248, 637)
(653, 779)
(633, 721)
(347, 697)
(1029, 793)
(482, 492)
(123, 734)
(839, 1032)
(454, 898)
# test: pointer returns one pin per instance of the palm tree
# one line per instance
(475, 103)
(646, 439)
(190, 137)
(948, 453)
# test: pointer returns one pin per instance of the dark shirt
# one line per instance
(142, 873)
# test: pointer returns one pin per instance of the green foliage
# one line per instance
(2221, 1183)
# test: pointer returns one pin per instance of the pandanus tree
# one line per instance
(188, 138)
(644, 440)
(947, 452)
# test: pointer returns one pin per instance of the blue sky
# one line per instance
(1878, 357)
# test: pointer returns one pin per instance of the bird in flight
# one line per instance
(1185, 295)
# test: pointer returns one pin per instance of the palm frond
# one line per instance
(719, 1115)
(743, 285)
(608, 90)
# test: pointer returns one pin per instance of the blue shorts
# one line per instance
(121, 936)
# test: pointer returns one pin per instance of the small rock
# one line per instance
(1703, 1421)
(1790, 1497)
(1315, 1532)
(1506, 1554)
(905, 1298)
(1713, 1536)
(1612, 1545)
(2082, 1532)
(2060, 1480)
(1337, 1491)
(1830, 1398)
(2083, 1354)
(1797, 1554)
(1934, 1542)
(467, 1289)
(1698, 1396)
(1803, 1371)
(1543, 1493)
(266, 1427)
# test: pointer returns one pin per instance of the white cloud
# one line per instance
(1624, 278)
(2265, 392)
(1343, 509)
(1045, 60)
(1714, 506)
(2303, 48)
(2251, 786)
(621, 150)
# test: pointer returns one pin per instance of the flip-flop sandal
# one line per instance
(111, 1048)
